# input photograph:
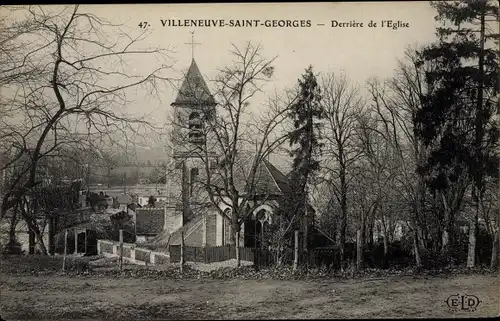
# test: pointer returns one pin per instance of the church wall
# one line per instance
(173, 220)
(211, 231)
(195, 238)
(223, 231)
(227, 231)
(218, 230)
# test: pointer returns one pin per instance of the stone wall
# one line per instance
(132, 253)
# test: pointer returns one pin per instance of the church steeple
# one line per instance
(194, 91)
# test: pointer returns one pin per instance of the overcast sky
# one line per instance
(361, 52)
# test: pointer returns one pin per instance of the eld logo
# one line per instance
(463, 302)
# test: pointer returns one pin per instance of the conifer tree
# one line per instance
(456, 119)
(305, 142)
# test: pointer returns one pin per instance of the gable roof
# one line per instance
(194, 90)
(269, 180)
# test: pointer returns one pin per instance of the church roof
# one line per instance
(269, 180)
(194, 90)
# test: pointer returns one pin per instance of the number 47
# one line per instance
(143, 25)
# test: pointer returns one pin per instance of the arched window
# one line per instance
(195, 128)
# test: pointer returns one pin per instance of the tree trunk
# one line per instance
(34, 232)
(496, 226)
(41, 243)
(33, 226)
(471, 255)
(445, 236)
(296, 250)
(343, 208)
(495, 249)
(182, 253)
(445, 239)
(359, 249)
(386, 244)
(31, 242)
(36, 238)
(385, 238)
(421, 239)
(370, 235)
(12, 232)
(342, 245)
(237, 248)
(51, 236)
(416, 250)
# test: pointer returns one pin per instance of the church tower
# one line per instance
(192, 107)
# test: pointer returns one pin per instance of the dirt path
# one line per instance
(59, 297)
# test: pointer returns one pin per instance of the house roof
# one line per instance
(149, 220)
(124, 199)
(194, 90)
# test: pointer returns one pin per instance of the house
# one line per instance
(144, 200)
(188, 210)
(149, 222)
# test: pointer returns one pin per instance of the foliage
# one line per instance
(456, 118)
(306, 113)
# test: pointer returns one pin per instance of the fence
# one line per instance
(210, 254)
(132, 253)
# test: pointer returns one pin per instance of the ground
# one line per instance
(94, 297)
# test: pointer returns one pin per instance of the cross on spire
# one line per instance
(192, 43)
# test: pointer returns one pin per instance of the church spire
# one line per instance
(194, 91)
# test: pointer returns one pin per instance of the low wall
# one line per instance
(210, 254)
(132, 253)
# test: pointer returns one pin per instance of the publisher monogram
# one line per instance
(465, 302)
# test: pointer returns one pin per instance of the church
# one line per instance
(188, 210)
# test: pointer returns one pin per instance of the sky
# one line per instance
(362, 52)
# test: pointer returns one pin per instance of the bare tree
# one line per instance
(396, 102)
(376, 170)
(342, 105)
(74, 86)
(235, 139)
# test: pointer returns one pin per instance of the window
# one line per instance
(195, 128)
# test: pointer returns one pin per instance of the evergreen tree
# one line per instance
(456, 118)
(304, 139)
(306, 113)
